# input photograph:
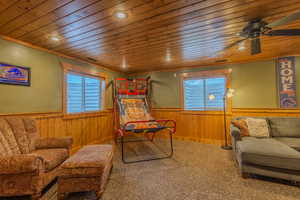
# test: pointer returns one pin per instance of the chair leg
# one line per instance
(296, 183)
(61, 196)
(245, 175)
(122, 147)
(36, 196)
(99, 194)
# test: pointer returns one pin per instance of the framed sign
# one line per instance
(14, 75)
(286, 82)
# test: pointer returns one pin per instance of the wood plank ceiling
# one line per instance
(156, 35)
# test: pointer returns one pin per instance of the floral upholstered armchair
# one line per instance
(28, 163)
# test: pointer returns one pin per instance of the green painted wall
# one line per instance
(254, 84)
(45, 92)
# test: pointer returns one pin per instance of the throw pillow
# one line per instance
(242, 125)
(258, 127)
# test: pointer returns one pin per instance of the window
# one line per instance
(204, 93)
(84, 93)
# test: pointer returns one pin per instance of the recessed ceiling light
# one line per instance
(168, 58)
(124, 64)
(168, 55)
(121, 15)
(55, 38)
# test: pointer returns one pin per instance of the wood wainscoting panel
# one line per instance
(94, 128)
(91, 128)
(265, 112)
(200, 126)
(208, 126)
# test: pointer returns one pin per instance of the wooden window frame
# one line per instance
(69, 68)
(226, 73)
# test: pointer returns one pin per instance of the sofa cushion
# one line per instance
(52, 157)
(291, 142)
(285, 127)
(18, 128)
(242, 125)
(257, 127)
(267, 152)
(5, 149)
(9, 136)
(32, 132)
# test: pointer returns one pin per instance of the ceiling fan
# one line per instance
(257, 28)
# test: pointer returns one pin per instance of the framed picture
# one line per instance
(14, 75)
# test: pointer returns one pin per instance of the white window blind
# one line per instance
(197, 91)
(84, 93)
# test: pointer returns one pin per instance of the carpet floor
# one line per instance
(196, 172)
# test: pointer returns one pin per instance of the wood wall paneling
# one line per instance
(199, 126)
(85, 129)
(208, 126)
(205, 127)
(268, 112)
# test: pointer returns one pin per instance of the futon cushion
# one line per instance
(285, 127)
(291, 142)
(52, 157)
(268, 152)
(89, 161)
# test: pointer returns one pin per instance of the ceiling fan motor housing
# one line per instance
(254, 28)
(257, 27)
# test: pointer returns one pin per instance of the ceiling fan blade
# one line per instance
(235, 43)
(225, 36)
(287, 32)
(285, 20)
(255, 46)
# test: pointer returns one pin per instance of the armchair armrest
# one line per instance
(19, 164)
(48, 143)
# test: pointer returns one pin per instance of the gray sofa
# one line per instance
(277, 156)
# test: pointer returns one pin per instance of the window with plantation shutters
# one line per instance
(204, 93)
(84, 93)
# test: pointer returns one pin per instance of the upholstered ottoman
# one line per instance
(87, 170)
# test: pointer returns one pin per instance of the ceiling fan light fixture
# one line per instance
(242, 46)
